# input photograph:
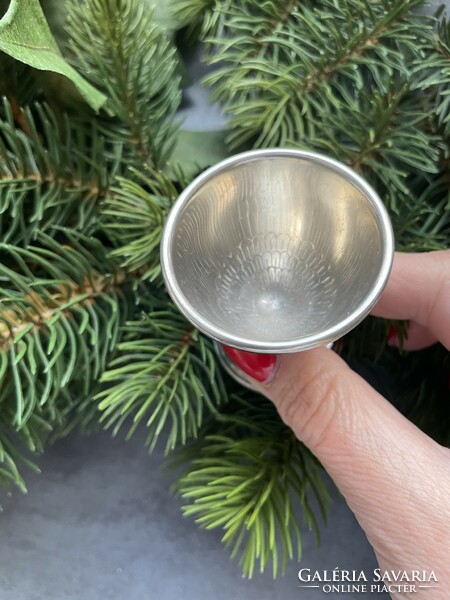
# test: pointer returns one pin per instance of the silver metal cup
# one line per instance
(277, 250)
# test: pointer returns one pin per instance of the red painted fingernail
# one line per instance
(261, 367)
(392, 336)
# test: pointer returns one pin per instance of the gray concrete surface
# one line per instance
(99, 524)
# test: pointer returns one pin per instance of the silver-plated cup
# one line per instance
(277, 250)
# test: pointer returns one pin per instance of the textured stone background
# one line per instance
(100, 524)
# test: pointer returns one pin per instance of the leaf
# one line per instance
(26, 37)
(196, 150)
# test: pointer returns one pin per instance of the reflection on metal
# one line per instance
(277, 250)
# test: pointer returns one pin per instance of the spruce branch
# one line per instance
(12, 457)
(61, 309)
(119, 47)
(441, 72)
(59, 321)
(133, 216)
(387, 138)
(275, 82)
(51, 172)
(250, 477)
(422, 221)
(19, 448)
(190, 13)
(165, 375)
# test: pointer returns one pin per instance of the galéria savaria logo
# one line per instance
(378, 581)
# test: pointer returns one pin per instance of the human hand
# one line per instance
(394, 477)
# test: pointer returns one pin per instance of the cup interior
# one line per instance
(277, 251)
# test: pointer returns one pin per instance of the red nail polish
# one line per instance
(258, 366)
(392, 336)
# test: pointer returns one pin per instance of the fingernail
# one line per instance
(261, 367)
(392, 336)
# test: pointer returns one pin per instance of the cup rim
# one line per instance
(300, 343)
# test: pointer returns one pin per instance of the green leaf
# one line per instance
(196, 150)
(26, 37)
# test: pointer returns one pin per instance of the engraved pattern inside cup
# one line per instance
(267, 279)
(276, 249)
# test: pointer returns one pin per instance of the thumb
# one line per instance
(383, 465)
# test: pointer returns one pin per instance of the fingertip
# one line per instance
(260, 367)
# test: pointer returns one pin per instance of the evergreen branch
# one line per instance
(119, 48)
(190, 13)
(51, 173)
(11, 457)
(60, 318)
(165, 375)
(422, 221)
(133, 217)
(59, 321)
(277, 85)
(386, 137)
(389, 139)
(441, 65)
(16, 446)
(249, 477)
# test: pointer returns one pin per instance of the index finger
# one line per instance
(419, 289)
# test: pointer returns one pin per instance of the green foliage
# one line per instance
(53, 171)
(52, 332)
(421, 218)
(56, 177)
(382, 136)
(121, 50)
(133, 216)
(354, 80)
(389, 140)
(33, 434)
(279, 66)
(26, 36)
(165, 375)
(248, 477)
(442, 61)
(191, 12)
(59, 323)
